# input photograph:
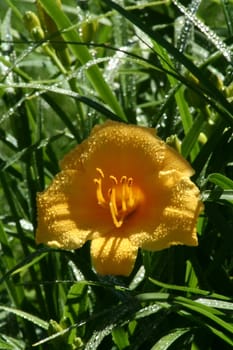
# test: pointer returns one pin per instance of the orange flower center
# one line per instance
(122, 198)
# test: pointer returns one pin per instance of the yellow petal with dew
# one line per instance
(118, 149)
(68, 214)
(173, 220)
(113, 255)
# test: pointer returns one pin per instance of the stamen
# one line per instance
(112, 195)
(99, 193)
(124, 194)
(131, 198)
(113, 209)
(121, 199)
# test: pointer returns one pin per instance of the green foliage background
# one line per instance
(163, 64)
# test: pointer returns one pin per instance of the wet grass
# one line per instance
(163, 64)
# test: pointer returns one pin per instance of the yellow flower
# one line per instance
(122, 188)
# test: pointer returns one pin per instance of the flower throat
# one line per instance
(122, 198)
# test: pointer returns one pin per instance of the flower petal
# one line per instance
(110, 147)
(173, 222)
(113, 255)
(174, 161)
(68, 214)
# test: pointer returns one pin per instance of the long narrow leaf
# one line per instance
(221, 180)
(25, 315)
(82, 54)
(207, 85)
(166, 341)
(207, 312)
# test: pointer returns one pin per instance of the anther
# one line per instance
(100, 171)
(114, 179)
(99, 194)
(130, 181)
(123, 179)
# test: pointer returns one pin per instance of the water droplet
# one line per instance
(212, 36)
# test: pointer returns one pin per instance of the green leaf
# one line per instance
(150, 310)
(120, 338)
(6, 248)
(183, 107)
(185, 289)
(76, 307)
(212, 36)
(166, 341)
(221, 180)
(217, 98)
(98, 336)
(43, 88)
(10, 343)
(25, 315)
(207, 312)
(219, 304)
(192, 135)
(5, 346)
(30, 260)
(82, 53)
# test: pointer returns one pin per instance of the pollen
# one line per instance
(121, 198)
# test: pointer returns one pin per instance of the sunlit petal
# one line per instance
(113, 255)
(64, 212)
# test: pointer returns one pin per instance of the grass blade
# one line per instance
(81, 52)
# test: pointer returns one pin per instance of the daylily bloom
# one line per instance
(122, 188)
